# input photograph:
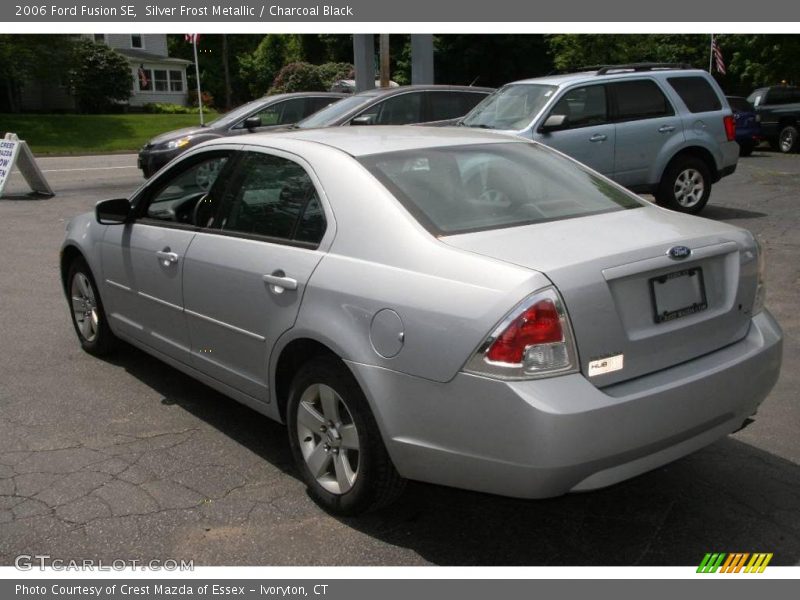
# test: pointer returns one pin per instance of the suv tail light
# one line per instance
(730, 127)
(534, 340)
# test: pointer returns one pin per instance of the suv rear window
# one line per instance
(459, 189)
(640, 99)
(696, 93)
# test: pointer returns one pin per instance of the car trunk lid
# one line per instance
(614, 269)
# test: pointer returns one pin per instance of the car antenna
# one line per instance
(474, 81)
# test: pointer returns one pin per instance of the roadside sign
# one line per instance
(16, 152)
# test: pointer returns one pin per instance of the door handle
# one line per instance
(167, 257)
(598, 137)
(666, 129)
(278, 282)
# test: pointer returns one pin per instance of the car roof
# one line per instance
(377, 139)
(375, 92)
(595, 76)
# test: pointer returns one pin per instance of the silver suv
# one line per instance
(664, 129)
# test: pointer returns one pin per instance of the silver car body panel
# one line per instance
(405, 310)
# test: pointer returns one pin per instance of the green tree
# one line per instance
(261, 66)
(100, 78)
(25, 57)
(760, 60)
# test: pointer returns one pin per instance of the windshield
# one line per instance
(511, 107)
(458, 189)
(331, 114)
(237, 114)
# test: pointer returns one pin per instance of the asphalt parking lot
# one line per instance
(127, 458)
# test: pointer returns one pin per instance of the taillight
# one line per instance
(534, 340)
(730, 127)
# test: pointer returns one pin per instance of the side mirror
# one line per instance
(251, 123)
(113, 212)
(362, 120)
(554, 123)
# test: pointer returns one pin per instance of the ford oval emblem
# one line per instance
(679, 252)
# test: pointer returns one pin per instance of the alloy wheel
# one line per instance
(84, 307)
(689, 188)
(328, 438)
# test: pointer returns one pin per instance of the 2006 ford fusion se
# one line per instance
(457, 307)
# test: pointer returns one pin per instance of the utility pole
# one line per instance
(384, 51)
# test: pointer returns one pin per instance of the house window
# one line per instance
(137, 41)
(175, 81)
(161, 81)
(100, 38)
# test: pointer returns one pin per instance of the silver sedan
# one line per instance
(457, 307)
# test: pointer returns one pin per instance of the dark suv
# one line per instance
(778, 110)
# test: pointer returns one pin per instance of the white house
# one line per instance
(157, 77)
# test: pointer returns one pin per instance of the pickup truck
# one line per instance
(778, 110)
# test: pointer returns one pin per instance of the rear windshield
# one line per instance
(696, 93)
(511, 107)
(459, 189)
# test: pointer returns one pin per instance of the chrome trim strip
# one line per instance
(250, 334)
(118, 285)
(160, 301)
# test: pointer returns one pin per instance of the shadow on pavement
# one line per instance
(727, 213)
(730, 497)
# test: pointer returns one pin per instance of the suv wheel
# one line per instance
(787, 139)
(685, 186)
(335, 441)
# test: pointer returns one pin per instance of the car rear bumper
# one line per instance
(543, 438)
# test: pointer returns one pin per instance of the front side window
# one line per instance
(458, 189)
(186, 194)
(397, 110)
(583, 106)
(275, 198)
(640, 99)
(282, 113)
(511, 107)
(449, 105)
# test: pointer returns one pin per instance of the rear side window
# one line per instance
(740, 104)
(782, 95)
(696, 93)
(273, 197)
(583, 106)
(640, 99)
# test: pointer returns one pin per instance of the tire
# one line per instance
(746, 149)
(335, 441)
(685, 186)
(788, 139)
(86, 310)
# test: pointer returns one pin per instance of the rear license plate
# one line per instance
(678, 294)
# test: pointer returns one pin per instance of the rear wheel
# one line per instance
(86, 309)
(787, 139)
(335, 441)
(685, 186)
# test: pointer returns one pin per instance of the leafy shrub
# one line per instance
(305, 77)
(101, 77)
(208, 99)
(165, 108)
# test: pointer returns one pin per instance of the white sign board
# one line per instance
(14, 151)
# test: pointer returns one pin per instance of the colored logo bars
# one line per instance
(734, 562)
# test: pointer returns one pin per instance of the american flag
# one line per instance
(192, 37)
(143, 81)
(717, 54)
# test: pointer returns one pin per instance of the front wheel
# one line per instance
(88, 316)
(335, 441)
(787, 139)
(685, 186)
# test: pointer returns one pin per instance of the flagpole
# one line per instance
(711, 55)
(197, 75)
